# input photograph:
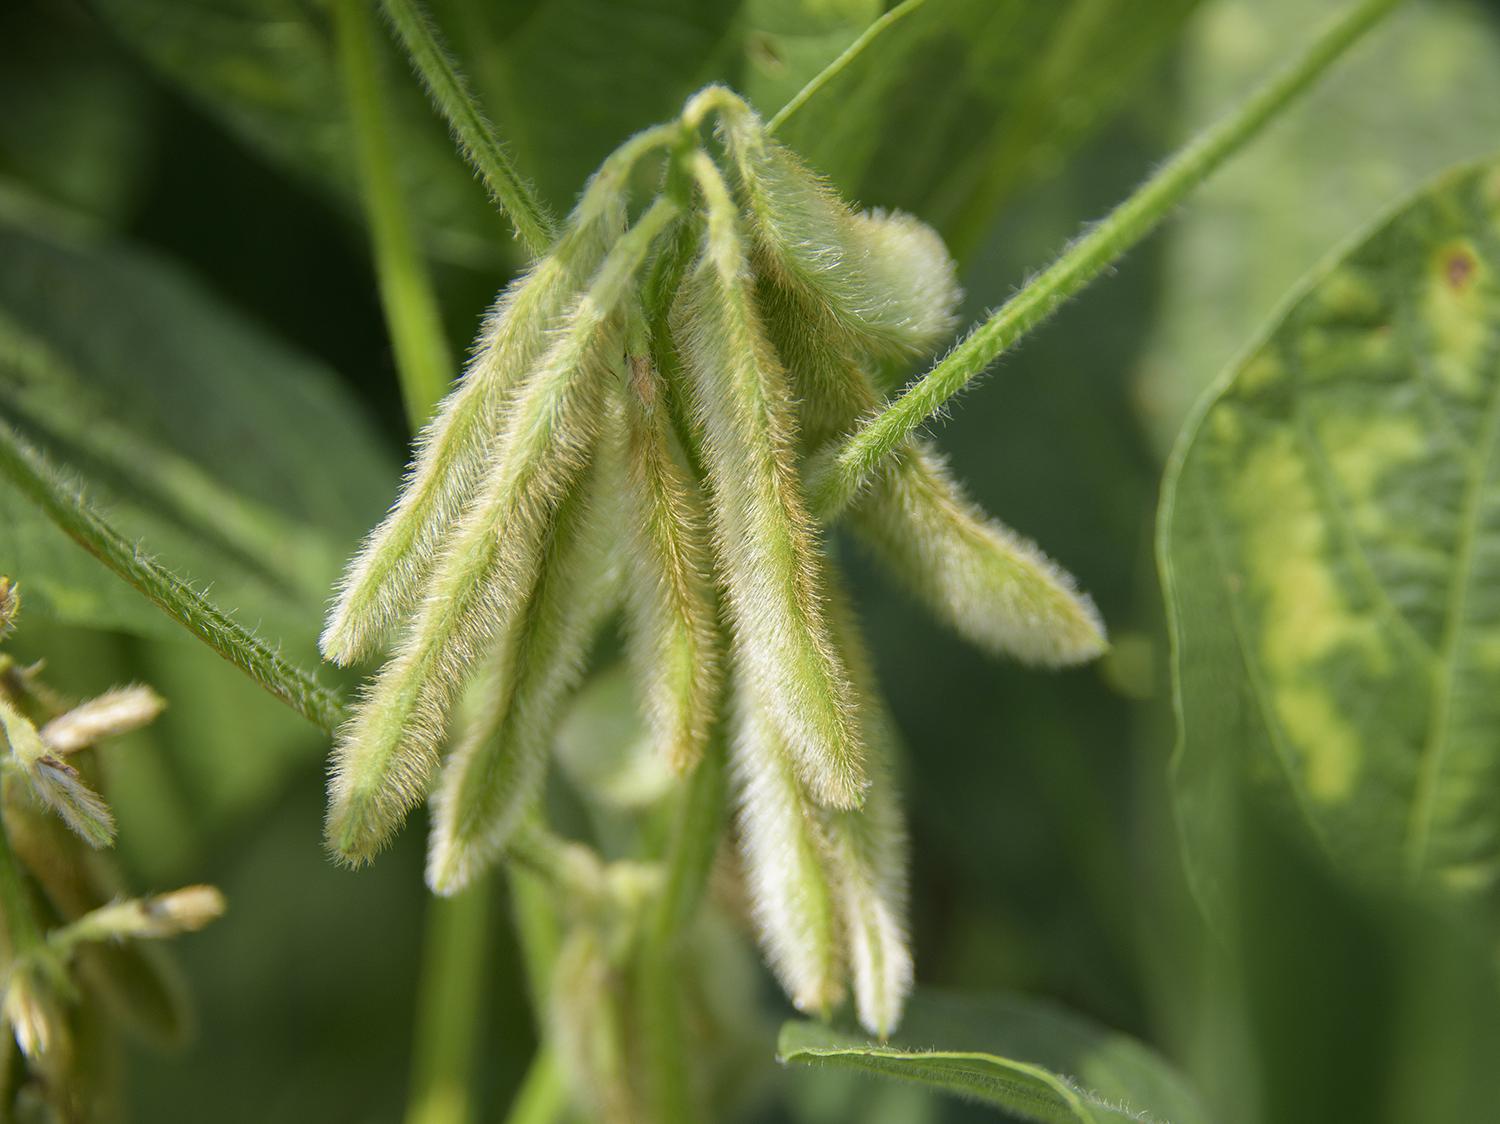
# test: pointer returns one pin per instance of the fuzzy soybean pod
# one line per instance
(384, 580)
(139, 984)
(767, 545)
(55, 781)
(499, 762)
(587, 1020)
(868, 852)
(673, 616)
(882, 282)
(387, 752)
(785, 859)
(989, 584)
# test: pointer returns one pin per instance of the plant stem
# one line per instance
(877, 28)
(448, 1007)
(842, 473)
(543, 1095)
(473, 131)
(667, 1076)
(423, 362)
(65, 505)
(23, 933)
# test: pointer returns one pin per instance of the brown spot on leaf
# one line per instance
(1459, 268)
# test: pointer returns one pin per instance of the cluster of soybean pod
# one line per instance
(635, 426)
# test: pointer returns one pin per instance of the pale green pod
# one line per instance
(56, 782)
(993, 587)
(10, 606)
(675, 644)
(387, 752)
(385, 579)
(109, 715)
(139, 984)
(588, 1024)
(768, 549)
(785, 859)
(868, 854)
(881, 281)
(496, 771)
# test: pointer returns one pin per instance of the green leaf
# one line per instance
(787, 42)
(950, 105)
(1330, 553)
(1333, 165)
(564, 81)
(1025, 1056)
(267, 70)
(241, 461)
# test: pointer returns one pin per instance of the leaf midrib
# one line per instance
(1434, 750)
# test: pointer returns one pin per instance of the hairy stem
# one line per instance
(450, 92)
(841, 474)
(423, 362)
(64, 503)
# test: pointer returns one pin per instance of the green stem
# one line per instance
(543, 1096)
(449, 1011)
(842, 473)
(473, 131)
(65, 505)
(423, 362)
(23, 932)
(877, 28)
(667, 1075)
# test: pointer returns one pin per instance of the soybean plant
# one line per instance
(634, 432)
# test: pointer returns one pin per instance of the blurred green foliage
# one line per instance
(187, 313)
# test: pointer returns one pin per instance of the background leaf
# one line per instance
(1026, 1056)
(945, 114)
(240, 462)
(1410, 101)
(960, 102)
(565, 81)
(1330, 541)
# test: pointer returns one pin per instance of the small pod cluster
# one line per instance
(69, 963)
(633, 431)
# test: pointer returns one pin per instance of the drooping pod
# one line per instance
(991, 585)
(883, 283)
(867, 852)
(384, 580)
(995, 588)
(488, 568)
(784, 856)
(675, 643)
(55, 782)
(767, 545)
(499, 763)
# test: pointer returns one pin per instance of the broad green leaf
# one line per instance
(953, 104)
(266, 68)
(1025, 1056)
(787, 42)
(79, 121)
(1330, 552)
(240, 462)
(1413, 99)
(564, 81)
(944, 111)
